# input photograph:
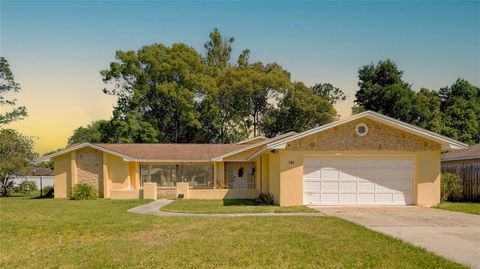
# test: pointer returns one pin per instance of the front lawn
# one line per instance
(230, 206)
(48, 233)
(472, 208)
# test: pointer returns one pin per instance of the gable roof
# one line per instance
(173, 152)
(251, 146)
(473, 152)
(445, 142)
(158, 152)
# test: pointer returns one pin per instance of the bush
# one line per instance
(26, 187)
(48, 191)
(265, 199)
(84, 191)
(452, 187)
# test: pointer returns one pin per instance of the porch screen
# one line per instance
(169, 175)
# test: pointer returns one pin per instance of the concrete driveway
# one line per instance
(453, 235)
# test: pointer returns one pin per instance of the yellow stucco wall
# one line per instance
(427, 177)
(291, 178)
(62, 176)
(264, 170)
(274, 175)
(118, 172)
(219, 194)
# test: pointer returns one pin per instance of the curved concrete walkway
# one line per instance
(153, 208)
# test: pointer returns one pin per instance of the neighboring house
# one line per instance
(42, 177)
(367, 159)
(466, 164)
(465, 156)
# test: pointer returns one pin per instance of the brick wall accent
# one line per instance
(90, 168)
(379, 137)
(166, 192)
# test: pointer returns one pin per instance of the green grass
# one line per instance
(53, 233)
(230, 206)
(472, 208)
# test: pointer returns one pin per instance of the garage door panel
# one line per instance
(358, 180)
(312, 185)
(348, 198)
(384, 198)
(348, 186)
(366, 186)
(329, 173)
(330, 185)
(366, 198)
(311, 172)
(314, 198)
(330, 198)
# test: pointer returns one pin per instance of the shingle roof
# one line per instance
(181, 152)
(472, 152)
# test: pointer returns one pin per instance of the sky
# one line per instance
(56, 49)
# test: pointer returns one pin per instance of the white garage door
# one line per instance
(358, 181)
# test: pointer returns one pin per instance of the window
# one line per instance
(361, 129)
(169, 175)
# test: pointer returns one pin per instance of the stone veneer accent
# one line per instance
(90, 168)
(379, 137)
(166, 193)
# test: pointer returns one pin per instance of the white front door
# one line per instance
(358, 180)
(240, 175)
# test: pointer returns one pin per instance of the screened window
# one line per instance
(169, 175)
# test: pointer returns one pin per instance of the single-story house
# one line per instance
(464, 156)
(367, 159)
(465, 164)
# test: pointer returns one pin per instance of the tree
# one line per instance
(92, 133)
(225, 108)
(300, 110)
(460, 104)
(382, 89)
(7, 85)
(218, 49)
(158, 88)
(16, 154)
(329, 92)
(264, 83)
(428, 109)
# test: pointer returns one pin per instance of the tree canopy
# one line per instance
(8, 85)
(173, 94)
(16, 154)
(453, 111)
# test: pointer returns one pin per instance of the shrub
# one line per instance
(48, 191)
(265, 199)
(26, 187)
(452, 187)
(84, 191)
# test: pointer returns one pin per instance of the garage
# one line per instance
(358, 180)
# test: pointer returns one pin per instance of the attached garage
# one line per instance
(367, 159)
(358, 180)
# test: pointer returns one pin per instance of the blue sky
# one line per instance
(56, 49)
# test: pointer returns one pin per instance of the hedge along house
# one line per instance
(367, 159)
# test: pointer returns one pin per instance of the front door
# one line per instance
(239, 175)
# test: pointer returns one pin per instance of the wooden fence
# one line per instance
(470, 175)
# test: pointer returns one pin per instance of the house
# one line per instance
(465, 156)
(367, 159)
(465, 164)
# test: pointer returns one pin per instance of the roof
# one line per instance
(158, 152)
(253, 140)
(172, 152)
(473, 152)
(445, 142)
(252, 146)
